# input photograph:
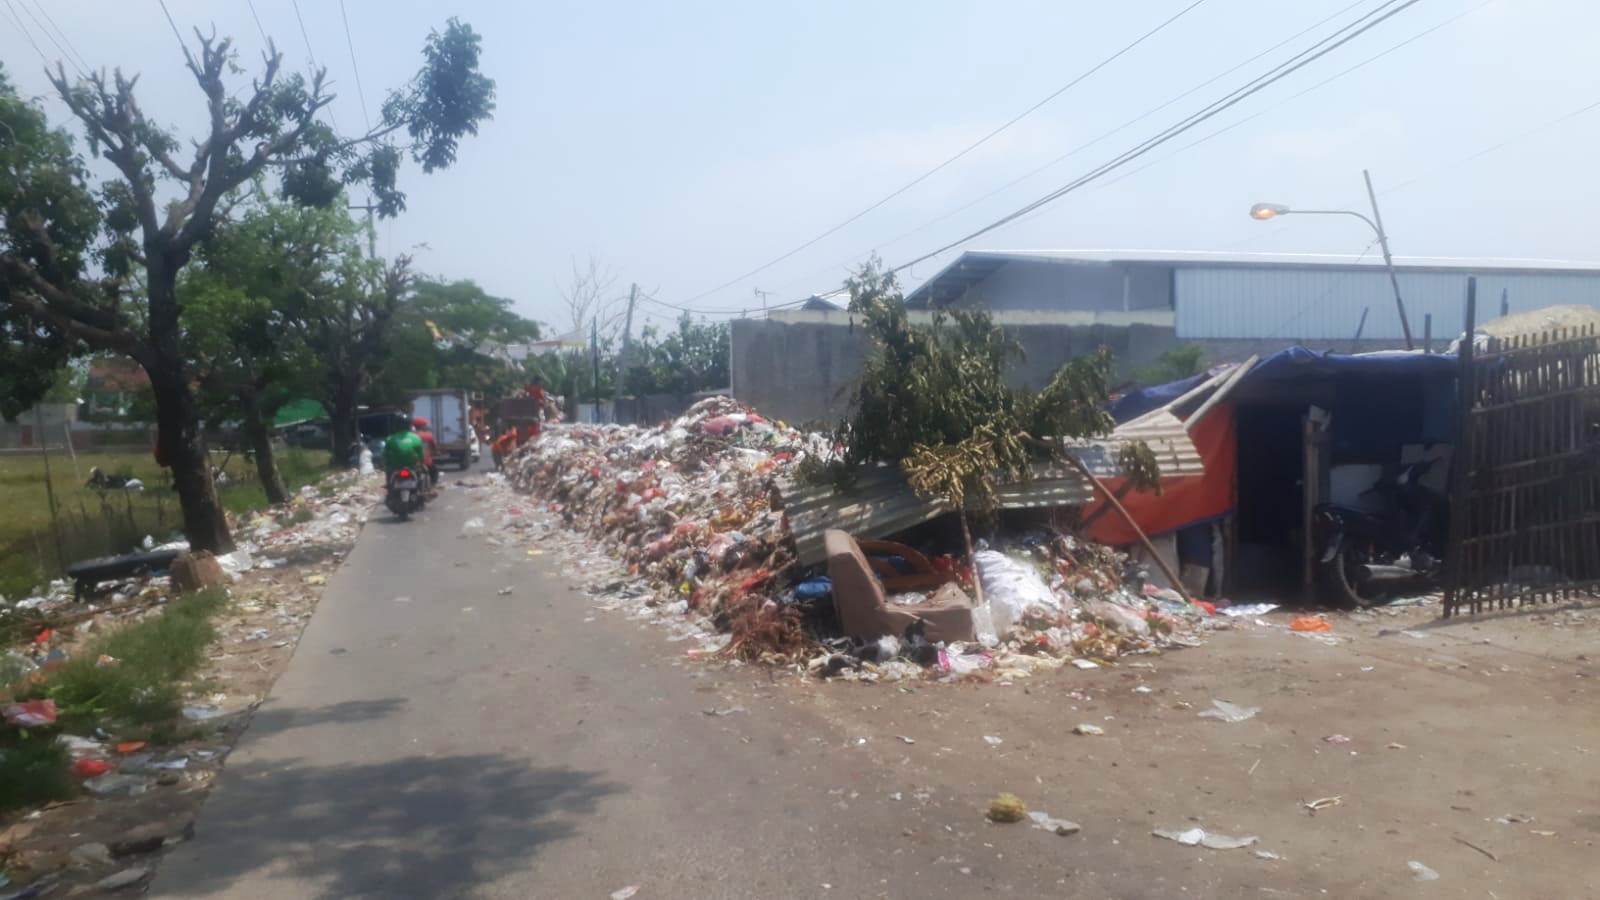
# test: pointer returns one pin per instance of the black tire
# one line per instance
(1343, 585)
(402, 515)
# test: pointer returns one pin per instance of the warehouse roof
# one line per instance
(973, 266)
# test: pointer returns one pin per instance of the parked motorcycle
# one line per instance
(406, 492)
(1369, 557)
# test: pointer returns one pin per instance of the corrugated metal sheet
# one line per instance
(882, 503)
(1312, 304)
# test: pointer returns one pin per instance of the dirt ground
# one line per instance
(1452, 726)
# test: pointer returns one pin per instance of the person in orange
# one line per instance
(430, 447)
(503, 445)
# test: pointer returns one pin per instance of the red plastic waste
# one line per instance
(90, 768)
(32, 714)
(1310, 623)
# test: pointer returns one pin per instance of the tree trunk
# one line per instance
(345, 432)
(180, 441)
(181, 446)
(260, 442)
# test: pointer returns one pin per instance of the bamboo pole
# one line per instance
(1111, 499)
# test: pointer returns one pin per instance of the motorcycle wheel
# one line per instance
(1340, 574)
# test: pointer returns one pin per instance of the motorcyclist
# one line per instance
(430, 448)
(403, 450)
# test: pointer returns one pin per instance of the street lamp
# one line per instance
(1261, 212)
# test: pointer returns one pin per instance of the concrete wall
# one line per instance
(800, 366)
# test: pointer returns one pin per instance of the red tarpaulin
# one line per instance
(1183, 500)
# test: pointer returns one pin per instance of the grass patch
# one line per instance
(33, 769)
(92, 523)
(153, 655)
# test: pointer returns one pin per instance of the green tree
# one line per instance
(48, 224)
(466, 331)
(159, 209)
(934, 401)
(244, 303)
(693, 357)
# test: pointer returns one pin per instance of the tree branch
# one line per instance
(49, 304)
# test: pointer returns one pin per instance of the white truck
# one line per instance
(446, 412)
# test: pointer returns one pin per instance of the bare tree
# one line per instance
(588, 295)
(274, 127)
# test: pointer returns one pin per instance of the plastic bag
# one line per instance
(1310, 623)
(1010, 589)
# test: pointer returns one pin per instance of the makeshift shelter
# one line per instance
(1277, 436)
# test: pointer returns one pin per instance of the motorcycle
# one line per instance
(1369, 557)
(405, 492)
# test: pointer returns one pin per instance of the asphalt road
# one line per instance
(435, 737)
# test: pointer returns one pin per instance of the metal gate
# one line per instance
(1525, 493)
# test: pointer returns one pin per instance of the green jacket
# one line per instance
(402, 449)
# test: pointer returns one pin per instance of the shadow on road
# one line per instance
(350, 711)
(415, 827)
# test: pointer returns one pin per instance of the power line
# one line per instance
(27, 34)
(1316, 51)
(310, 54)
(253, 15)
(76, 58)
(1488, 150)
(1084, 146)
(1291, 98)
(349, 42)
(175, 32)
(968, 149)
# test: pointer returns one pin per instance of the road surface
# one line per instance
(435, 737)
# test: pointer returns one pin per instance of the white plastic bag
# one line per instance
(366, 461)
(1010, 588)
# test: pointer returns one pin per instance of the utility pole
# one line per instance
(1388, 261)
(372, 229)
(594, 350)
(49, 488)
(627, 334)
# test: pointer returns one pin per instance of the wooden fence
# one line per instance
(1525, 504)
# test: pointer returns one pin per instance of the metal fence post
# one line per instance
(1460, 457)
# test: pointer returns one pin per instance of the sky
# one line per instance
(684, 145)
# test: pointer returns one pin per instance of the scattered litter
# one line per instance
(1466, 843)
(1323, 803)
(125, 878)
(1142, 689)
(200, 712)
(724, 712)
(1541, 833)
(906, 740)
(107, 785)
(1192, 837)
(1421, 872)
(32, 714)
(1267, 854)
(127, 747)
(1085, 664)
(625, 893)
(1247, 610)
(1007, 808)
(1515, 819)
(992, 741)
(471, 526)
(90, 768)
(1396, 746)
(505, 591)
(1229, 712)
(1046, 822)
(1315, 624)
(1337, 739)
(1088, 730)
(95, 854)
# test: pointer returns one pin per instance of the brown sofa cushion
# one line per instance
(864, 610)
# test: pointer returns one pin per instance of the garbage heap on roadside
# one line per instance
(692, 509)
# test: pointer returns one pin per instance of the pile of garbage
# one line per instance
(1049, 600)
(688, 509)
